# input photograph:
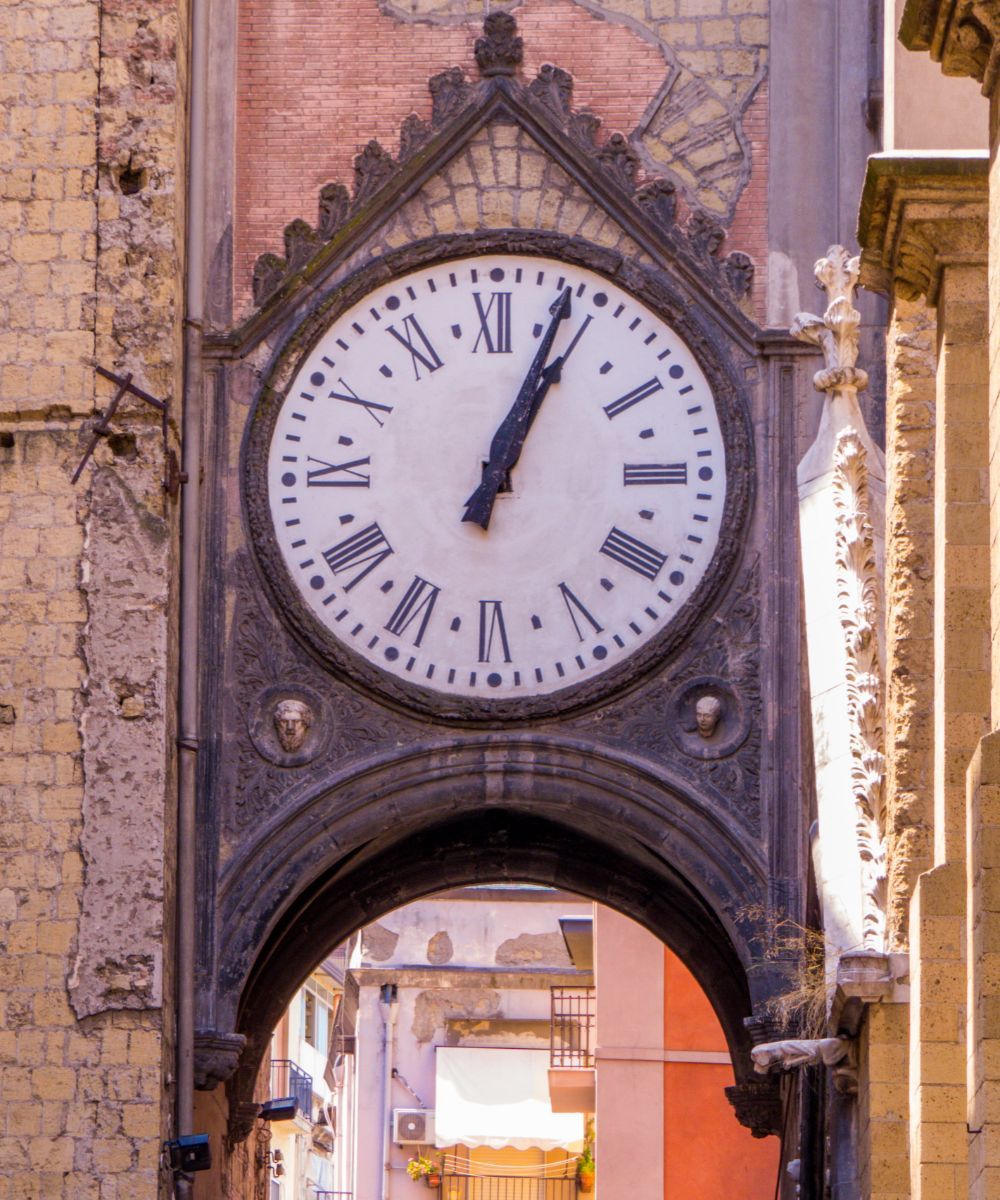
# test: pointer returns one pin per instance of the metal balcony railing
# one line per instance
(288, 1079)
(574, 1016)
(506, 1187)
(330, 1195)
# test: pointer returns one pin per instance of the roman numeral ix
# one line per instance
(631, 553)
(417, 604)
(492, 628)
(494, 323)
(338, 474)
(418, 344)
(642, 392)
(637, 474)
(365, 549)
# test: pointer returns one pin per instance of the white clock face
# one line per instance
(478, 525)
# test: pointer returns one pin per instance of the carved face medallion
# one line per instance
(497, 477)
(292, 721)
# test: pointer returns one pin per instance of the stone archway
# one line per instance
(485, 810)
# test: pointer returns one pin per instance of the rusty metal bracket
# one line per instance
(173, 477)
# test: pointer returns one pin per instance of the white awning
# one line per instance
(493, 1097)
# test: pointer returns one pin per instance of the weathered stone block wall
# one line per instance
(682, 78)
(90, 242)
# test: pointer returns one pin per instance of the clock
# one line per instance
(492, 484)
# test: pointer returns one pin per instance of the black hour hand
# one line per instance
(505, 449)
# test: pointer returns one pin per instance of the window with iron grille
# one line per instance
(574, 1014)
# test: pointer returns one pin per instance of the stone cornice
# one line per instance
(919, 214)
(962, 35)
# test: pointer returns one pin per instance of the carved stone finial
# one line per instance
(658, 198)
(858, 604)
(450, 92)
(373, 167)
(799, 1052)
(619, 160)
(500, 51)
(334, 204)
(836, 332)
(268, 272)
(583, 127)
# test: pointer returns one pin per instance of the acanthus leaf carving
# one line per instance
(658, 198)
(858, 601)
(705, 233)
(451, 93)
(301, 242)
(413, 133)
(334, 205)
(268, 272)
(552, 89)
(620, 161)
(373, 168)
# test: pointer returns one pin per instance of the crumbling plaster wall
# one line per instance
(90, 255)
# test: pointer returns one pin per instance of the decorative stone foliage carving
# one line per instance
(500, 50)
(550, 96)
(858, 596)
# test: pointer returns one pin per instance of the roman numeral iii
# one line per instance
(631, 553)
(494, 323)
(642, 392)
(637, 474)
(418, 344)
(492, 631)
(338, 474)
(417, 604)
(361, 552)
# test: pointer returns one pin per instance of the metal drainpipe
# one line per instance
(390, 1009)
(190, 553)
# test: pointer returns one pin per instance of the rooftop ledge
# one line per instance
(919, 211)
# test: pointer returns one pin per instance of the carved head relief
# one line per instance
(707, 712)
(707, 718)
(289, 726)
(292, 721)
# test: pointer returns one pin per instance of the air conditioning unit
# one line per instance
(413, 1126)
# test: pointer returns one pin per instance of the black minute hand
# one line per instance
(505, 449)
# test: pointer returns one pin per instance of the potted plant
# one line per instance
(426, 1169)
(585, 1166)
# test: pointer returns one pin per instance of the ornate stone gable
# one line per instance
(496, 154)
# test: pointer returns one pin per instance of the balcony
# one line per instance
(507, 1187)
(571, 1049)
(288, 1080)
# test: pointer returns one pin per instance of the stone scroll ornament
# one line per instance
(841, 456)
